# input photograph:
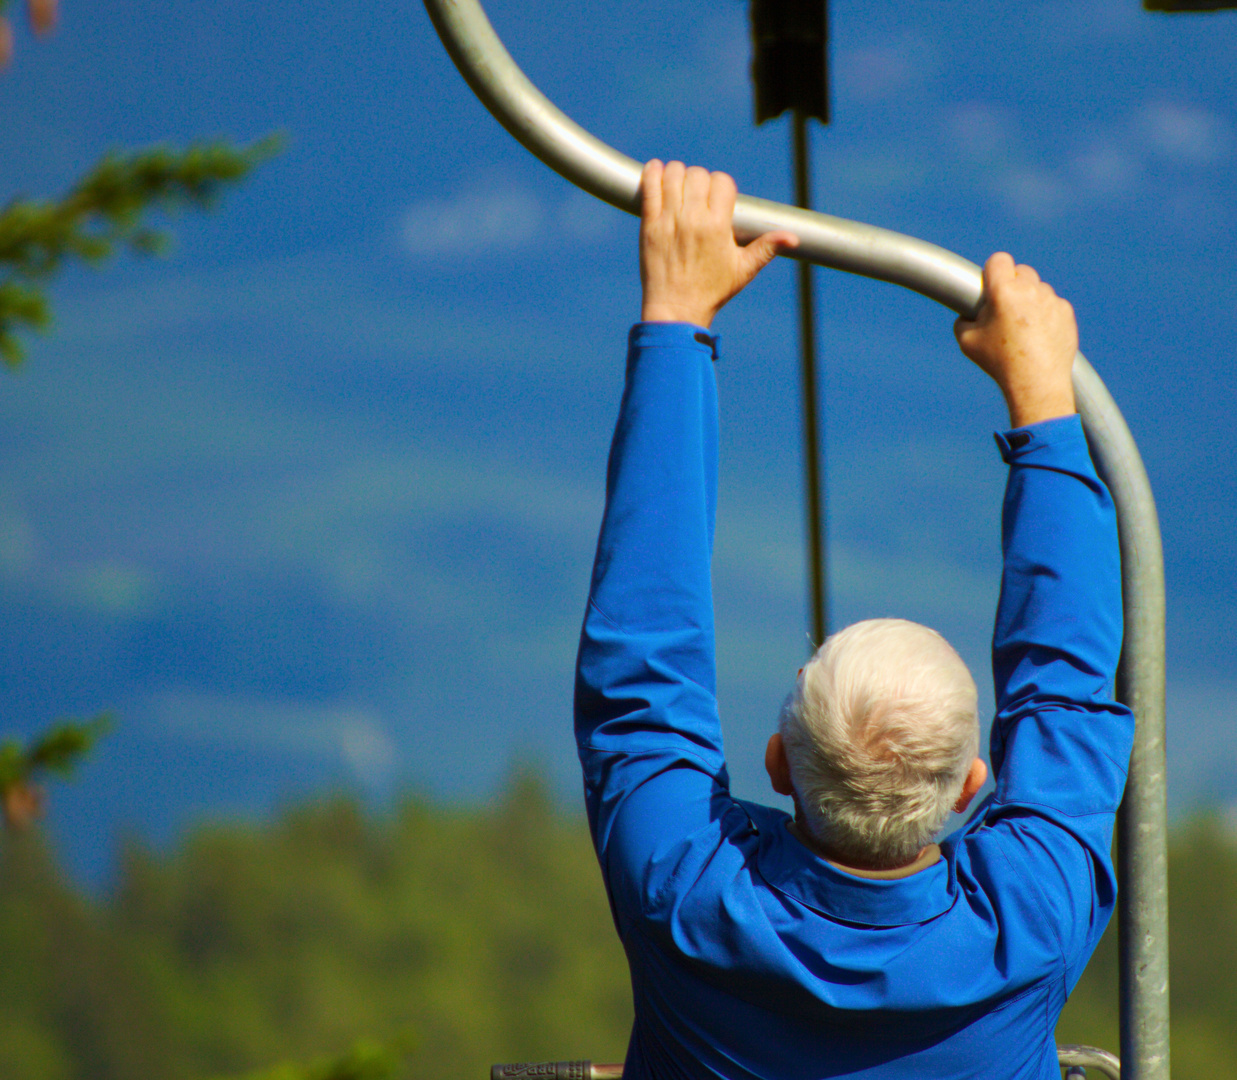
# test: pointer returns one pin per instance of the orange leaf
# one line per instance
(43, 14)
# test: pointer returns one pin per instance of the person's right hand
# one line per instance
(1025, 337)
(690, 264)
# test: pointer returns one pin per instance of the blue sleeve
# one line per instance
(1060, 743)
(646, 718)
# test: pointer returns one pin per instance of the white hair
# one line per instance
(880, 734)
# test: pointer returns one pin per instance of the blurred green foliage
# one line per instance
(57, 751)
(474, 935)
(106, 209)
(1202, 919)
(367, 1060)
(452, 937)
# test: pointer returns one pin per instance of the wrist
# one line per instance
(670, 312)
(1026, 409)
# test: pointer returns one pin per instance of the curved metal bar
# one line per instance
(1070, 1056)
(957, 283)
(589, 163)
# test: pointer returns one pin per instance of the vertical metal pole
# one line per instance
(811, 421)
(1142, 824)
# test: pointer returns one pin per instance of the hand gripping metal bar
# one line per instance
(956, 283)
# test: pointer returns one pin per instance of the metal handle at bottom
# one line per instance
(1081, 1058)
(1077, 1059)
(556, 1070)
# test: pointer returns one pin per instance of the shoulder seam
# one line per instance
(1039, 903)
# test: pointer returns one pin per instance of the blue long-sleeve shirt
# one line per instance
(751, 956)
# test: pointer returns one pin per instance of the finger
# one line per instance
(999, 272)
(722, 195)
(696, 191)
(672, 180)
(6, 43)
(650, 191)
(1026, 273)
(777, 241)
(998, 269)
(761, 251)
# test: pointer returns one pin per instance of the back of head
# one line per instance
(879, 736)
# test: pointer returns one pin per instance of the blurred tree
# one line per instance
(472, 935)
(57, 751)
(42, 14)
(104, 210)
(367, 1060)
(286, 942)
(1202, 886)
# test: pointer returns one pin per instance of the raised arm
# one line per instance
(1060, 743)
(645, 715)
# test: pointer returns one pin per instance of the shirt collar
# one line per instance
(788, 866)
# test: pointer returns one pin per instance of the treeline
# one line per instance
(450, 938)
(472, 936)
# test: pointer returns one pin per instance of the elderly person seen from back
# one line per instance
(844, 940)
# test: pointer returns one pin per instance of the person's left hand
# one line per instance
(42, 19)
(690, 264)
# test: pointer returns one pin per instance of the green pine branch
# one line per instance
(57, 751)
(106, 210)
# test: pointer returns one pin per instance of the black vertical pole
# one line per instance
(790, 71)
(817, 567)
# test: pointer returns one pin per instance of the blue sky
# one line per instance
(310, 504)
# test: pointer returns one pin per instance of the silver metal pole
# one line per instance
(958, 284)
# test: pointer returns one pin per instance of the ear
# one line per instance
(975, 778)
(777, 765)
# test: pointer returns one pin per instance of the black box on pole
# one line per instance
(1171, 6)
(790, 66)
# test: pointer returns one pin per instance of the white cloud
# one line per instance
(1184, 133)
(352, 735)
(1037, 194)
(872, 74)
(1124, 159)
(1106, 169)
(472, 222)
(111, 588)
(370, 522)
(981, 131)
(881, 72)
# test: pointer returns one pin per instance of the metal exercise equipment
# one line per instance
(956, 283)
(1074, 1060)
